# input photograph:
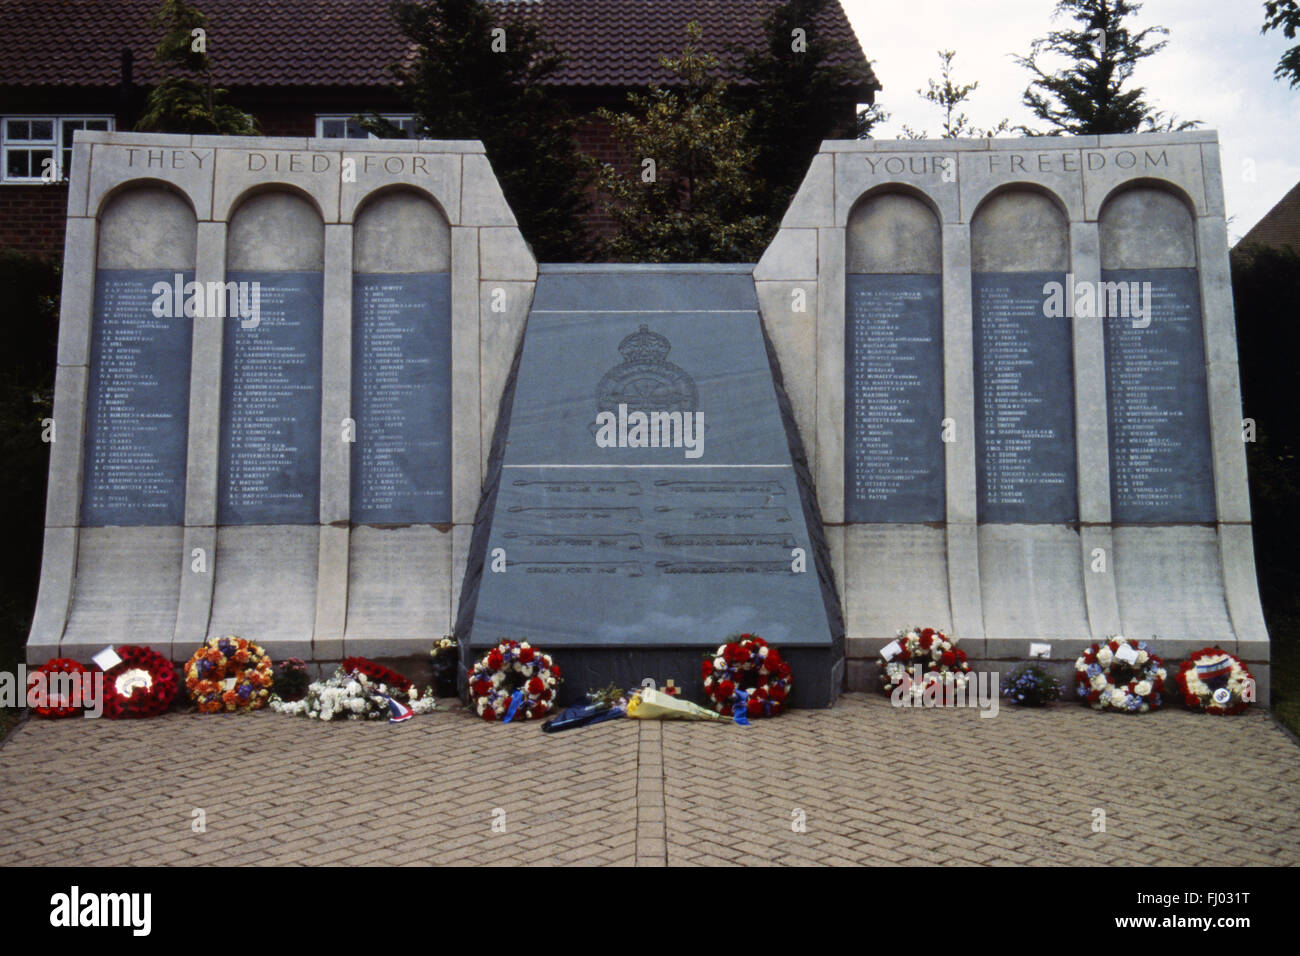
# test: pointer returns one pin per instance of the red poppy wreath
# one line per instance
(52, 694)
(142, 684)
(376, 672)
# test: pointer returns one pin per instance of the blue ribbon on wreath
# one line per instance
(516, 699)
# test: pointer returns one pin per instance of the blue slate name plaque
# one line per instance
(613, 532)
(137, 411)
(270, 406)
(1024, 402)
(401, 396)
(893, 402)
(1158, 409)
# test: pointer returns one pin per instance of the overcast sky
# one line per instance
(1217, 68)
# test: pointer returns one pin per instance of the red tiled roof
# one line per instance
(294, 43)
(1280, 225)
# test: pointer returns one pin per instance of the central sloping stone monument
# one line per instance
(646, 494)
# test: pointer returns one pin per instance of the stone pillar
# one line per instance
(335, 452)
(202, 457)
(959, 457)
(1093, 443)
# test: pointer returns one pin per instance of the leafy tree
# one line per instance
(1089, 96)
(797, 99)
(686, 200)
(948, 95)
(187, 101)
(1284, 15)
(470, 80)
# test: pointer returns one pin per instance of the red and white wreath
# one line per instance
(1120, 674)
(748, 663)
(510, 668)
(1216, 682)
(920, 656)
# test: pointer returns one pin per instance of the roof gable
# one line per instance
(1280, 225)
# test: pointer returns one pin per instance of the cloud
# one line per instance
(1217, 68)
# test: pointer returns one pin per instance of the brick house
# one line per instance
(304, 67)
(1280, 226)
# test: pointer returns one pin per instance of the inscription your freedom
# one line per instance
(944, 165)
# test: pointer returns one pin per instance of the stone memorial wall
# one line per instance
(1050, 366)
(278, 374)
(988, 386)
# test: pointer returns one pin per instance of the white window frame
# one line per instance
(55, 144)
(322, 118)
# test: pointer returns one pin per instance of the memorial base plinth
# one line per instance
(818, 675)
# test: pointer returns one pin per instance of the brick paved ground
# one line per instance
(872, 785)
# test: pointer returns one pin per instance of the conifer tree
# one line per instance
(693, 180)
(949, 95)
(797, 97)
(186, 100)
(1093, 94)
(477, 76)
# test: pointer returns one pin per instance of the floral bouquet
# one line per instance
(377, 673)
(291, 680)
(354, 695)
(1032, 687)
(445, 663)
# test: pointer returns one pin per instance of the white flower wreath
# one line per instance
(1216, 682)
(1095, 672)
(352, 696)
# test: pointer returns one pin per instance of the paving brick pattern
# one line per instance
(861, 783)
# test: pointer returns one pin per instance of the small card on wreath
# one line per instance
(107, 659)
(1127, 653)
(890, 650)
(229, 683)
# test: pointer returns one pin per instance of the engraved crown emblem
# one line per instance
(645, 380)
(645, 346)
